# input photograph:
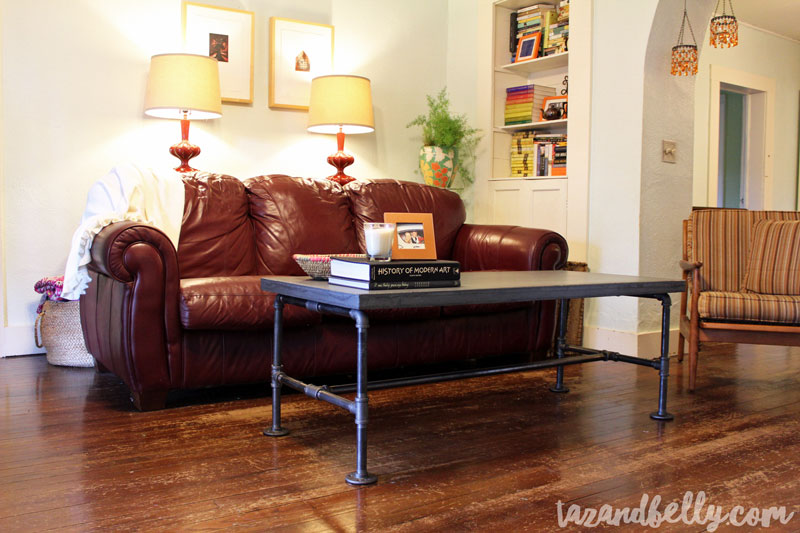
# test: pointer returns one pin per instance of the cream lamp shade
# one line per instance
(181, 83)
(339, 101)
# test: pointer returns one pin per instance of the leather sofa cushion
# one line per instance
(298, 216)
(216, 233)
(370, 199)
(234, 303)
(749, 307)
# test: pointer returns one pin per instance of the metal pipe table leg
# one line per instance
(663, 371)
(277, 370)
(561, 342)
(361, 476)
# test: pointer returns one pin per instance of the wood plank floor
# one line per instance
(486, 454)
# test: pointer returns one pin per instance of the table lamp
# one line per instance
(184, 87)
(340, 104)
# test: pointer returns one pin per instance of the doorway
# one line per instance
(740, 139)
(740, 170)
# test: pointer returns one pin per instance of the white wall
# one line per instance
(616, 148)
(73, 89)
(3, 313)
(463, 80)
(764, 54)
(666, 187)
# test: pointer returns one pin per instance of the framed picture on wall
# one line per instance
(299, 51)
(415, 238)
(528, 47)
(226, 35)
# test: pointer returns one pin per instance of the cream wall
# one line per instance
(615, 157)
(764, 54)
(73, 87)
(463, 79)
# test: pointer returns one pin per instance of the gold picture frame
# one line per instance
(414, 235)
(228, 35)
(298, 52)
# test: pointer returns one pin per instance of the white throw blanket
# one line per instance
(128, 192)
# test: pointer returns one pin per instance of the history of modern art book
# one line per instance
(395, 271)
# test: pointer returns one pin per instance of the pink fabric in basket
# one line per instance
(50, 288)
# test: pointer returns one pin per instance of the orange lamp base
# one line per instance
(184, 150)
(341, 160)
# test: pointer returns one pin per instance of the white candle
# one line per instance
(379, 240)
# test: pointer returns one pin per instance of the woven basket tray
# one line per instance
(61, 335)
(318, 266)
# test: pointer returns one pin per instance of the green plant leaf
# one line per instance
(440, 127)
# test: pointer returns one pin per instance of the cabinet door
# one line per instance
(540, 203)
(509, 202)
(547, 201)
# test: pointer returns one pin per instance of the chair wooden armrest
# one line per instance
(687, 266)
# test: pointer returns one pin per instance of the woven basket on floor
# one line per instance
(58, 327)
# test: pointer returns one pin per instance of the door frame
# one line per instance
(754, 84)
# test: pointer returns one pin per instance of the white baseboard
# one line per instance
(18, 340)
(645, 344)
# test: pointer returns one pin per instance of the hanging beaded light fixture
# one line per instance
(724, 28)
(684, 56)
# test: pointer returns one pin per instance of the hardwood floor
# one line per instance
(486, 454)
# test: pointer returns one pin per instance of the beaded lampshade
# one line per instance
(724, 28)
(684, 55)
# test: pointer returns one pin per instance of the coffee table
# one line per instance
(476, 288)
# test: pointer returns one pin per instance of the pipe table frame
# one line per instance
(291, 291)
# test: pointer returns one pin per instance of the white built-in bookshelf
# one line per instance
(530, 201)
(548, 71)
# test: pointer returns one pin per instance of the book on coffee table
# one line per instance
(395, 271)
(378, 285)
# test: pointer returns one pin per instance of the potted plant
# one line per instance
(448, 143)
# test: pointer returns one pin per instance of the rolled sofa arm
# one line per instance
(130, 313)
(490, 247)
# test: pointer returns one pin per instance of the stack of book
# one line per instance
(555, 38)
(524, 102)
(412, 274)
(530, 20)
(538, 154)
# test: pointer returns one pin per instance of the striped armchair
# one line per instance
(742, 271)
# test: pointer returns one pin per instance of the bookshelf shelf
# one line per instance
(547, 124)
(539, 64)
(517, 4)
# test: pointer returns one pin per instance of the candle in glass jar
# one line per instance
(378, 237)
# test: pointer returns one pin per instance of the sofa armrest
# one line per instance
(491, 247)
(130, 310)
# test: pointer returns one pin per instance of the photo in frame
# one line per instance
(414, 235)
(299, 51)
(558, 103)
(528, 47)
(226, 35)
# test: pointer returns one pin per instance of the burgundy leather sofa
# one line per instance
(163, 320)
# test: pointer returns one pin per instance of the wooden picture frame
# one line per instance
(299, 51)
(556, 101)
(414, 235)
(228, 35)
(528, 47)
